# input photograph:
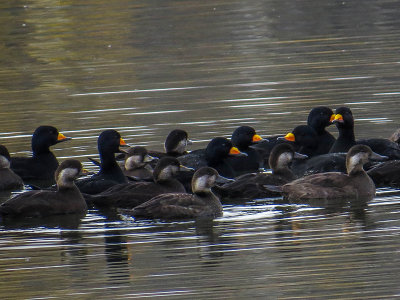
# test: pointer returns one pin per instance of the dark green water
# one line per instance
(146, 67)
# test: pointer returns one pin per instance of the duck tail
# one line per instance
(273, 188)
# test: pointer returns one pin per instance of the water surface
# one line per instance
(146, 67)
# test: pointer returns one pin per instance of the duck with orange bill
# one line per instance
(344, 121)
(108, 143)
(243, 138)
(215, 155)
(43, 163)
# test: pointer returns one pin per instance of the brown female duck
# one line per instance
(202, 203)
(251, 185)
(356, 184)
(67, 199)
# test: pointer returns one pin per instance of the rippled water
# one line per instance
(145, 67)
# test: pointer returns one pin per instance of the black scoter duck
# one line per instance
(305, 140)
(356, 184)
(243, 138)
(175, 144)
(203, 203)
(215, 155)
(43, 163)
(8, 179)
(251, 185)
(67, 199)
(110, 173)
(345, 123)
(129, 195)
(319, 118)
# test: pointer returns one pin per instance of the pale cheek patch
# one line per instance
(167, 172)
(284, 159)
(354, 161)
(181, 146)
(66, 176)
(201, 183)
(132, 161)
(4, 162)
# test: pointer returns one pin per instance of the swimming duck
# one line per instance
(215, 155)
(43, 163)
(304, 139)
(129, 195)
(67, 199)
(251, 185)
(110, 173)
(386, 174)
(243, 138)
(319, 118)
(395, 137)
(136, 165)
(203, 203)
(345, 123)
(175, 144)
(356, 184)
(8, 179)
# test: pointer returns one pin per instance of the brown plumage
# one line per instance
(251, 185)
(356, 184)
(129, 195)
(203, 203)
(67, 199)
(8, 179)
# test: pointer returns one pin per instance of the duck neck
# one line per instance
(346, 133)
(108, 161)
(284, 172)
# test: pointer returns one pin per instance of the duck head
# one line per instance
(358, 155)
(245, 136)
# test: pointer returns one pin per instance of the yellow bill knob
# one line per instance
(332, 118)
(256, 138)
(290, 137)
(338, 118)
(122, 142)
(234, 151)
(61, 137)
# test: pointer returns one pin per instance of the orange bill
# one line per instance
(234, 151)
(332, 118)
(61, 137)
(290, 137)
(256, 138)
(122, 142)
(338, 118)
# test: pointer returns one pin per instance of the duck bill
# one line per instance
(338, 119)
(298, 155)
(149, 158)
(235, 152)
(184, 168)
(258, 139)
(84, 172)
(377, 157)
(123, 144)
(189, 142)
(221, 180)
(332, 118)
(62, 138)
(290, 137)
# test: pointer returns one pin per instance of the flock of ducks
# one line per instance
(308, 164)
